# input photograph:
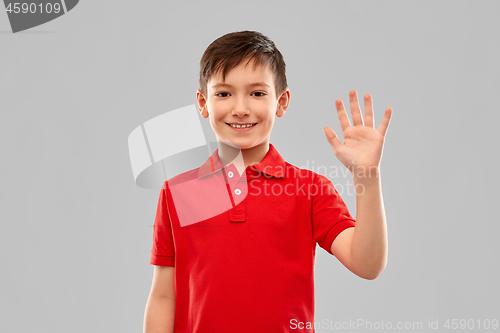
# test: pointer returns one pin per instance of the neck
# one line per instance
(231, 154)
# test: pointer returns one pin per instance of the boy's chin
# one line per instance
(238, 144)
(244, 144)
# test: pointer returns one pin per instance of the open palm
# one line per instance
(363, 144)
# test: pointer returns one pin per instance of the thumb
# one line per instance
(332, 138)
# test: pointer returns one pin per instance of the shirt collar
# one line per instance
(272, 164)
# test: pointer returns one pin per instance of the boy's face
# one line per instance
(245, 97)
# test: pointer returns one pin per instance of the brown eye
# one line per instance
(259, 92)
(218, 94)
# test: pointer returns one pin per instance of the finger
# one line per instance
(343, 119)
(332, 138)
(357, 118)
(369, 118)
(385, 122)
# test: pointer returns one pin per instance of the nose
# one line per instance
(240, 109)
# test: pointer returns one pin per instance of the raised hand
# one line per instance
(363, 144)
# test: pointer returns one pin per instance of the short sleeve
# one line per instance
(330, 215)
(163, 251)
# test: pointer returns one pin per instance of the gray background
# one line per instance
(76, 232)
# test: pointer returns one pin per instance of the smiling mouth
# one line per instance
(241, 126)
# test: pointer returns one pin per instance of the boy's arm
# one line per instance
(160, 308)
(362, 249)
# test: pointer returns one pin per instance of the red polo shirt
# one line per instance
(244, 247)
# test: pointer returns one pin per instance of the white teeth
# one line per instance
(241, 126)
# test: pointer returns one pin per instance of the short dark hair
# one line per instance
(230, 50)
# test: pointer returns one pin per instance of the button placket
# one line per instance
(237, 186)
(238, 212)
(238, 191)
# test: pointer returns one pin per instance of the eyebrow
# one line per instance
(220, 85)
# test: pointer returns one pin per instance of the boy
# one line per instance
(249, 267)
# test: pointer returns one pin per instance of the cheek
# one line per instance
(265, 111)
(267, 116)
(266, 124)
(270, 122)
(222, 109)
(216, 112)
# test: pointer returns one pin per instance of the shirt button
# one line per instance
(230, 174)
(237, 191)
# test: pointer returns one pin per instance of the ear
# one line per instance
(283, 102)
(202, 103)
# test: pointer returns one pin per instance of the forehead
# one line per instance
(244, 73)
